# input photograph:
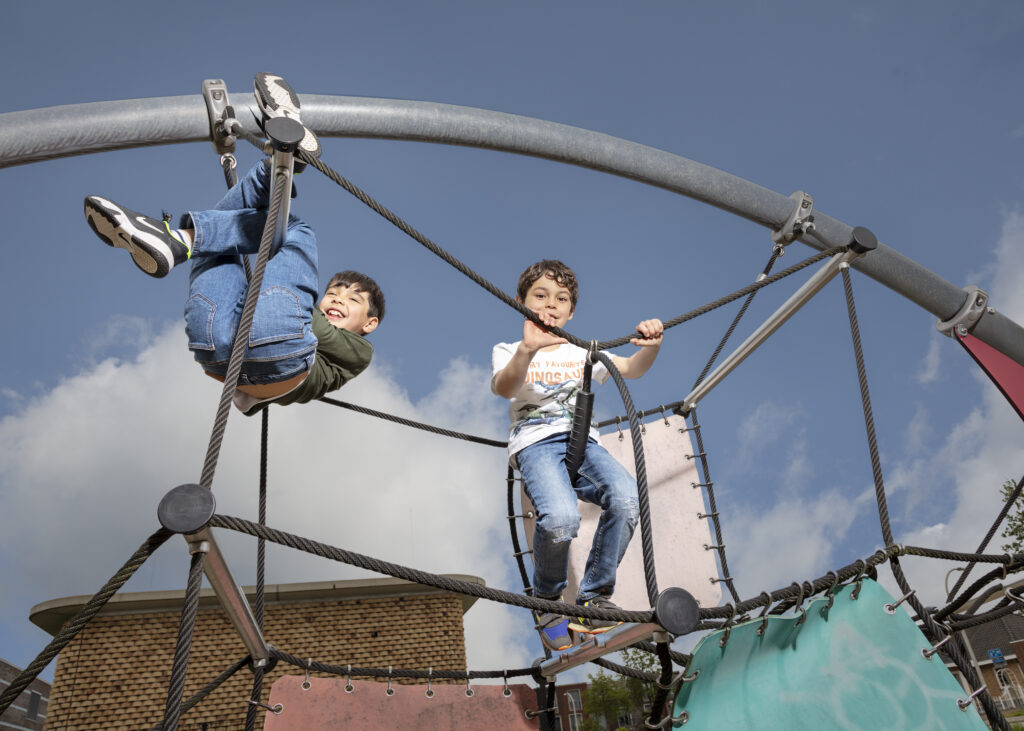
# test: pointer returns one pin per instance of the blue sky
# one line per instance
(904, 118)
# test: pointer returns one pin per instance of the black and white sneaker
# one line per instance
(154, 249)
(276, 98)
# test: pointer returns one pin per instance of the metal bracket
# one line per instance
(970, 312)
(799, 222)
(219, 109)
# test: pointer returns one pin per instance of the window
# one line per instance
(33, 706)
(572, 697)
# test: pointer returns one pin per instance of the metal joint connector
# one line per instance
(967, 317)
(799, 222)
(215, 94)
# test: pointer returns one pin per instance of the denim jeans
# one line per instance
(281, 342)
(602, 481)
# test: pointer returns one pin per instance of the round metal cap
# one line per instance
(186, 508)
(677, 611)
(862, 240)
(284, 134)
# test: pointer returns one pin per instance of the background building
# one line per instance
(115, 673)
(28, 712)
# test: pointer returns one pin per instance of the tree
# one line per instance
(1014, 530)
(611, 696)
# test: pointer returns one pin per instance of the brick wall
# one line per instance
(114, 675)
(29, 709)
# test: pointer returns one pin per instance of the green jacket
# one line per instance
(340, 356)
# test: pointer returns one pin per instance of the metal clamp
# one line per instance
(306, 685)
(618, 425)
(927, 654)
(764, 613)
(800, 605)
(891, 608)
(276, 709)
(967, 317)
(506, 691)
(349, 688)
(469, 689)
(680, 719)
(219, 111)
(831, 596)
(724, 639)
(861, 568)
(430, 690)
(799, 222)
(964, 703)
(389, 691)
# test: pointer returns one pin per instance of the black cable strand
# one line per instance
(646, 529)
(413, 424)
(1001, 610)
(626, 671)
(422, 577)
(207, 689)
(517, 549)
(361, 672)
(956, 649)
(186, 629)
(988, 536)
(261, 557)
(75, 625)
(241, 337)
(420, 238)
(664, 686)
(712, 506)
(973, 589)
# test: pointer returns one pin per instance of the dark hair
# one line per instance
(558, 271)
(362, 283)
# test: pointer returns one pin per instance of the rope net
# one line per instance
(937, 623)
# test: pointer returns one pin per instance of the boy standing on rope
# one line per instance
(296, 352)
(540, 375)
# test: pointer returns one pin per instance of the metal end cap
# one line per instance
(284, 134)
(862, 240)
(677, 611)
(186, 508)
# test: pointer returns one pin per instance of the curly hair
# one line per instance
(558, 271)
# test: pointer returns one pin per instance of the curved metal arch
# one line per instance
(77, 129)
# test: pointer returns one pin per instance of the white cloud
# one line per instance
(86, 464)
(928, 372)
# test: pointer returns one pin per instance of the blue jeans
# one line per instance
(281, 342)
(602, 481)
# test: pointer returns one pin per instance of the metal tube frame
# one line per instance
(598, 646)
(76, 129)
(798, 299)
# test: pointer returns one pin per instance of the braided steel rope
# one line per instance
(241, 336)
(413, 424)
(183, 647)
(207, 689)
(75, 625)
(354, 671)
(646, 529)
(988, 536)
(422, 577)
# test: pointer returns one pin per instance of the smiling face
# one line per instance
(347, 307)
(548, 296)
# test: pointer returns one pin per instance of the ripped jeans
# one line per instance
(602, 481)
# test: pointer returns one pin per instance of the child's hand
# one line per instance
(652, 331)
(536, 337)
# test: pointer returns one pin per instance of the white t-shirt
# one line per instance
(544, 404)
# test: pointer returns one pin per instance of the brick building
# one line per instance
(1002, 669)
(28, 712)
(115, 673)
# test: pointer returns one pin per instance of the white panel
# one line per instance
(679, 535)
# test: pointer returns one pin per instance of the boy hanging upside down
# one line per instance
(541, 375)
(295, 352)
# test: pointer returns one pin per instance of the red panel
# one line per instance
(1006, 373)
(327, 707)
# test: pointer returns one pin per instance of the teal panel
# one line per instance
(854, 666)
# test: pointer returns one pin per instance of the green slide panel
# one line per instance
(857, 665)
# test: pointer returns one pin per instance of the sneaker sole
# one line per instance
(116, 227)
(583, 629)
(276, 98)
